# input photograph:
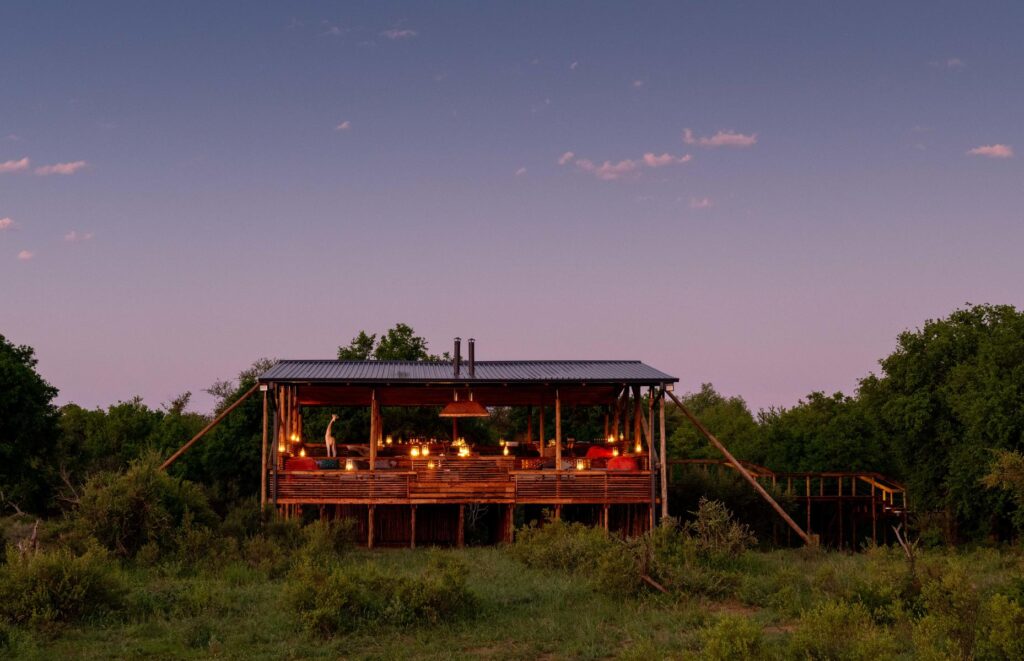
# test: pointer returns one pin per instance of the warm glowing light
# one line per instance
(414, 451)
(615, 452)
(463, 451)
(611, 438)
(581, 464)
(504, 451)
(431, 465)
(638, 448)
(349, 464)
(302, 452)
(501, 442)
(295, 438)
(425, 451)
(388, 440)
(280, 447)
(621, 436)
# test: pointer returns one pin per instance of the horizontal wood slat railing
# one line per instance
(463, 483)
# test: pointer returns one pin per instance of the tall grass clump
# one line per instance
(337, 599)
(51, 587)
(142, 506)
(843, 631)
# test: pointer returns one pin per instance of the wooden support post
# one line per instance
(742, 471)
(605, 425)
(510, 526)
(460, 540)
(369, 526)
(263, 456)
(213, 423)
(375, 426)
(558, 512)
(529, 425)
(604, 517)
(540, 432)
(807, 483)
(636, 416)
(874, 516)
(664, 458)
(558, 432)
(412, 526)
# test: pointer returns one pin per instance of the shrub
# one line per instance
(951, 608)
(126, 511)
(613, 566)
(344, 598)
(1001, 632)
(326, 540)
(51, 587)
(266, 556)
(242, 521)
(841, 630)
(716, 533)
(732, 637)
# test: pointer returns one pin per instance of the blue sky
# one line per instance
(208, 183)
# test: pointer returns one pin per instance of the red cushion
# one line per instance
(622, 464)
(300, 464)
(596, 451)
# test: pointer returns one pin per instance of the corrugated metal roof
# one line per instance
(487, 371)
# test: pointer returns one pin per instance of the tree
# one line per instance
(727, 417)
(950, 393)
(28, 429)
(398, 343)
(360, 348)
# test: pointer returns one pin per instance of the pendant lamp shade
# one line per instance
(464, 409)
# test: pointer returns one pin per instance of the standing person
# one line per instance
(329, 440)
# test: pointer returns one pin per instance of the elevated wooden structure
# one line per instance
(387, 489)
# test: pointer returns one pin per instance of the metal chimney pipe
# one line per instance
(457, 358)
(472, 358)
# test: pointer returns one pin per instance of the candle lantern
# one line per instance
(414, 451)
(581, 464)
(349, 464)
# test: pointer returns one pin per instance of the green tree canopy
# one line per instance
(950, 393)
(28, 429)
(398, 343)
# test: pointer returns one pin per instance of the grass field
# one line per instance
(781, 604)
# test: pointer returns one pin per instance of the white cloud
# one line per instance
(396, 33)
(75, 237)
(26, 255)
(520, 172)
(721, 139)
(344, 126)
(655, 161)
(14, 166)
(60, 168)
(701, 203)
(609, 171)
(572, 67)
(992, 151)
(6, 224)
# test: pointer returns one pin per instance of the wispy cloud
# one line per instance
(609, 171)
(520, 172)
(14, 166)
(26, 255)
(637, 84)
(74, 237)
(951, 63)
(344, 126)
(701, 203)
(6, 224)
(992, 151)
(572, 67)
(721, 139)
(655, 161)
(398, 33)
(70, 167)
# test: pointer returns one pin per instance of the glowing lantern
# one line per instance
(414, 451)
(431, 465)
(504, 450)
(581, 464)
(611, 438)
(425, 451)
(388, 440)
(615, 452)
(302, 452)
(638, 448)
(349, 464)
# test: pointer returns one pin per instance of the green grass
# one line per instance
(754, 604)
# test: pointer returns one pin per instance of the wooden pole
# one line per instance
(375, 425)
(369, 526)
(263, 456)
(223, 414)
(558, 432)
(529, 425)
(742, 471)
(540, 434)
(664, 458)
(637, 418)
(412, 526)
(460, 540)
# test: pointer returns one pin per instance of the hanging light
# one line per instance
(504, 450)
(414, 451)
(464, 409)
(425, 451)
(388, 440)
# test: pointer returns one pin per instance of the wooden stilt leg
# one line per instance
(369, 526)
(412, 526)
(460, 540)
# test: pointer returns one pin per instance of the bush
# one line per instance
(144, 505)
(1001, 634)
(841, 630)
(732, 637)
(51, 587)
(326, 540)
(716, 533)
(344, 598)
(610, 563)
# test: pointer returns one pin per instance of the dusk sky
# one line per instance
(760, 195)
